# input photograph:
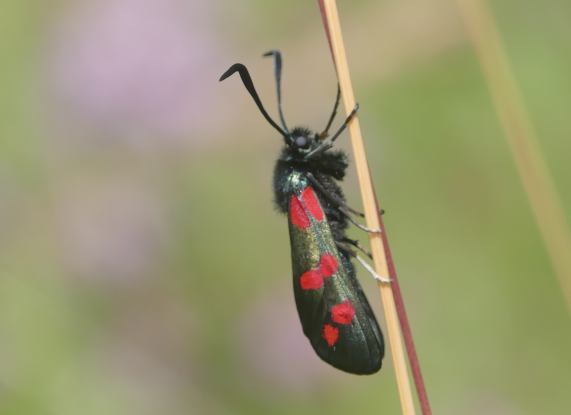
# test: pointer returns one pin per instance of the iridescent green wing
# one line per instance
(334, 312)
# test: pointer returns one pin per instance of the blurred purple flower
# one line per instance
(111, 232)
(136, 68)
(139, 362)
(274, 346)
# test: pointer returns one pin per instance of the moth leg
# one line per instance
(331, 197)
(334, 199)
(372, 271)
(357, 224)
(346, 248)
(357, 245)
(346, 122)
(341, 205)
(327, 145)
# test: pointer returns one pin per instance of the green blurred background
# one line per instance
(143, 267)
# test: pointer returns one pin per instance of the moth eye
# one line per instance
(301, 141)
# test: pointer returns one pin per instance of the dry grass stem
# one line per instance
(521, 138)
(370, 208)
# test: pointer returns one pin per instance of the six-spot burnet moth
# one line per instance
(334, 312)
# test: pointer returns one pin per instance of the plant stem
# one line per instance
(392, 300)
(531, 166)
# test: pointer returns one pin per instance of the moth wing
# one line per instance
(334, 312)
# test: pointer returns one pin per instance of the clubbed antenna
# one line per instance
(278, 76)
(247, 80)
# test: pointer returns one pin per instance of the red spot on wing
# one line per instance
(343, 313)
(330, 334)
(328, 265)
(311, 280)
(297, 213)
(312, 203)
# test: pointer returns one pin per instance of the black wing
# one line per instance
(334, 312)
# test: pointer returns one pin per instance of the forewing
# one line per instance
(334, 312)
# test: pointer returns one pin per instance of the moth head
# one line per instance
(302, 141)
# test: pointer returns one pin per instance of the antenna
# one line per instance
(247, 80)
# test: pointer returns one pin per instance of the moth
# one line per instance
(334, 312)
